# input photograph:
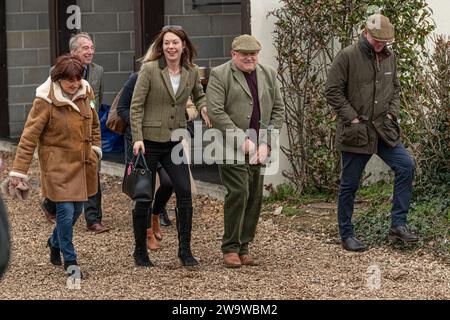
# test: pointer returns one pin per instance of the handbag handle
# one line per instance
(140, 159)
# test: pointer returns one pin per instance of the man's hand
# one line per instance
(204, 113)
(356, 120)
(389, 116)
(263, 153)
(248, 146)
(138, 145)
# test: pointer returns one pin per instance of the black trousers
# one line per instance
(161, 152)
(164, 191)
(93, 207)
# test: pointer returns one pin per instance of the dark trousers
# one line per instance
(242, 207)
(164, 191)
(353, 164)
(178, 173)
(162, 195)
(93, 207)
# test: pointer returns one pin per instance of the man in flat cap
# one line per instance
(364, 90)
(243, 98)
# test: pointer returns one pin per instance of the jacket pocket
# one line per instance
(183, 123)
(391, 131)
(355, 135)
(152, 123)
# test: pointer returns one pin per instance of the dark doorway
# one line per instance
(59, 33)
(148, 21)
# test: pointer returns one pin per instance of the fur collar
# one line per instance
(52, 93)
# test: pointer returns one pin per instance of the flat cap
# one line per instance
(380, 28)
(246, 43)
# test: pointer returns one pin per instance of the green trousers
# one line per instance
(242, 207)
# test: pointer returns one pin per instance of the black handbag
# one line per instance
(137, 180)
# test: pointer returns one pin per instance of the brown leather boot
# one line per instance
(155, 227)
(231, 260)
(152, 242)
(247, 260)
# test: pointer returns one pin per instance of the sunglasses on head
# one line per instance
(175, 27)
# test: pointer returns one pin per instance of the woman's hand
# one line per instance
(138, 145)
(204, 113)
(14, 181)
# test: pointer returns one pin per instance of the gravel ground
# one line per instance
(295, 262)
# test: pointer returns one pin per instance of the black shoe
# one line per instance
(186, 258)
(72, 269)
(164, 219)
(402, 233)
(353, 244)
(55, 254)
(141, 259)
(184, 227)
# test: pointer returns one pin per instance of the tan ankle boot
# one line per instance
(152, 242)
(155, 227)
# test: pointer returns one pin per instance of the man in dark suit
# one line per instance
(82, 46)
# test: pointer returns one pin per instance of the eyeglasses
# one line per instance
(175, 27)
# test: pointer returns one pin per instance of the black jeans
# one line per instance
(353, 165)
(161, 152)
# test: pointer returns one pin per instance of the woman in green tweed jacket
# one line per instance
(165, 82)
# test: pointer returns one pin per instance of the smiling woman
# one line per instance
(166, 80)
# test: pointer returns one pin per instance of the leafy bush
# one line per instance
(308, 34)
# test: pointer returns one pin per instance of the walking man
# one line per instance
(243, 94)
(364, 90)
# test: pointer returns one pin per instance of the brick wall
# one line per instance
(110, 23)
(211, 28)
(28, 56)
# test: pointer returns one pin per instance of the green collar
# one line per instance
(163, 64)
(367, 48)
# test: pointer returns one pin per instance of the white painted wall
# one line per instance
(441, 15)
(262, 28)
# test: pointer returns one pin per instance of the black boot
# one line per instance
(55, 254)
(184, 227)
(353, 244)
(164, 218)
(402, 233)
(140, 254)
